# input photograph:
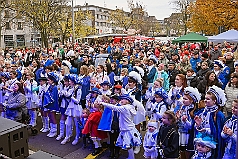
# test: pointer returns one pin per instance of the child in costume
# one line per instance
(168, 137)
(211, 120)
(50, 102)
(185, 118)
(150, 140)
(204, 144)
(129, 136)
(82, 121)
(42, 88)
(74, 109)
(64, 98)
(176, 93)
(91, 126)
(149, 96)
(29, 85)
(159, 107)
(110, 123)
(105, 88)
(91, 97)
(229, 132)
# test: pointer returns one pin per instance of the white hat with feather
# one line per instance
(193, 93)
(219, 94)
(133, 75)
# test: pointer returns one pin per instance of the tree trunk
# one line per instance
(0, 36)
(44, 38)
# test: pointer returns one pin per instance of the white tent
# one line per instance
(229, 36)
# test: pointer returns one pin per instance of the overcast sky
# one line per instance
(159, 8)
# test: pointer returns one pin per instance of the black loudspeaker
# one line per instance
(13, 139)
(42, 155)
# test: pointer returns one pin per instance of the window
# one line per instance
(6, 14)
(19, 26)
(20, 40)
(97, 16)
(8, 26)
(8, 40)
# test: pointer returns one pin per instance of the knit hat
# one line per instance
(67, 63)
(205, 55)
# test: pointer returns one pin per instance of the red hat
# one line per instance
(118, 86)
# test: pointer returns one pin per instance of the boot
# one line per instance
(46, 128)
(67, 136)
(117, 150)
(96, 151)
(112, 154)
(77, 131)
(144, 126)
(62, 127)
(33, 115)
(53, 130)
(43, 124)
(84, 142)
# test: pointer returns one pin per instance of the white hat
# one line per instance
(153, 124)
(193, 93)
(219, 94)
(205, 139)
(135, 76)
(139, 70)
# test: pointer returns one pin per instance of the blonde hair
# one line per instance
(85, 70)
(66, 69)
(161, 81)
(125, 70)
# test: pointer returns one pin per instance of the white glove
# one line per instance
(74, 99)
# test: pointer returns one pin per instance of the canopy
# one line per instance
(191, 37)
(229, 36)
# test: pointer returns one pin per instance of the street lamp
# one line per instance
(73, 35)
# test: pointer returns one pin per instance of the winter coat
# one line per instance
(168, 140)
(215, 54)
(172, 75)
(202, 87)
(15, 106)
(231, 94)
(201, 73)
(194, 62)
(193, 81)
(91, 126)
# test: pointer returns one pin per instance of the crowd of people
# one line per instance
(184, 96)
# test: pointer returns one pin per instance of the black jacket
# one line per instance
(201, 73)
(193, 81)
(172, 76)
(202, 87)
(168, 141)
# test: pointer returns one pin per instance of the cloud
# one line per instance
(159, 8)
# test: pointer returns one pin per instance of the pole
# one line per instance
(73, 35)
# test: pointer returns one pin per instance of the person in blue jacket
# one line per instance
(222, 72)
(85, 84)
(50, 102)
(152, 71)
(194, 60)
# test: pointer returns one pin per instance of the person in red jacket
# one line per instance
(91, 127)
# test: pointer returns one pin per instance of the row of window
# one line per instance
(102, 17)
(9, 40)
(103, 24)
(9, 26)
